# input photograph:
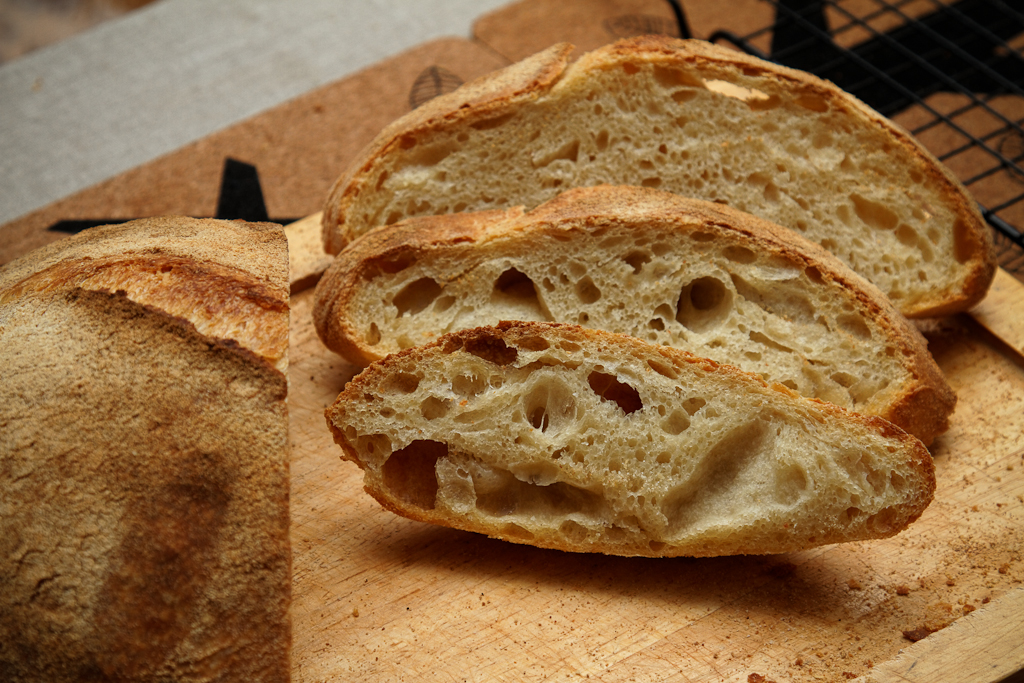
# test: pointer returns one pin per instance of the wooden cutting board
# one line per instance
(381, 598)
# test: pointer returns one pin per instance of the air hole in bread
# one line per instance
(374, 445)
(468, 386)
(873, 213)
(410, 473)
(906, 235)
(396, 264)
(514, 283)
(609, 388)
(499, 493)
(568, 151)
(514, 290)
(751, 96)
(433, 408)
(444, 303)
(676, 423)
(703, 303)
(843, 379)
(855, 325)
(637, 259)
(373, 337)
(431, 155)
(630, 68)
(681, 96)
(672, 78)
(516, 531)
(651, 182)
(813, 102)
(573, 532)
(402, 383)
(491, 349)
(764, 340)
(586, 291)
(814, 275)
(693, 404)
(495, 122)
(416, 296)
(601, 140)
(550, 405)
(739, 254)
(884, 521)
(662, 369)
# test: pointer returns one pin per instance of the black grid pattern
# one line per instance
(950, 72)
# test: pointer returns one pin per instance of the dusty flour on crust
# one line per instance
(144, 483)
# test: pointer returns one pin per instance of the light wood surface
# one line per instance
(381, 598)
(983, 646)
(1005, 295)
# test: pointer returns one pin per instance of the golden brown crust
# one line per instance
(144, 488)
(509, 339)
(921, 406)
(480, 99)
(972, 237)
(190, 268)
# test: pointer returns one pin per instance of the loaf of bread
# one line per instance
(565, 437)
(143, 456)
(697, 120)
(674, 271)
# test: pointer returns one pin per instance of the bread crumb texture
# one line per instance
(700, 121)
(562, 437)
(671, 271)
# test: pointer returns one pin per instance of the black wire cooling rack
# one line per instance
(950, 72)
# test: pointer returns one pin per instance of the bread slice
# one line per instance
(674, 271)
(144, 479)
(697, 120)
(564, 437)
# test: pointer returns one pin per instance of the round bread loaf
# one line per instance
(144, 474)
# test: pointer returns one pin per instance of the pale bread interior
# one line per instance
(581, 440)
(671, 271)
(796, 152)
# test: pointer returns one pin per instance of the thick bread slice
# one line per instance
(564, 437)
(680, 272)
(697, 120)
(144, 481)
